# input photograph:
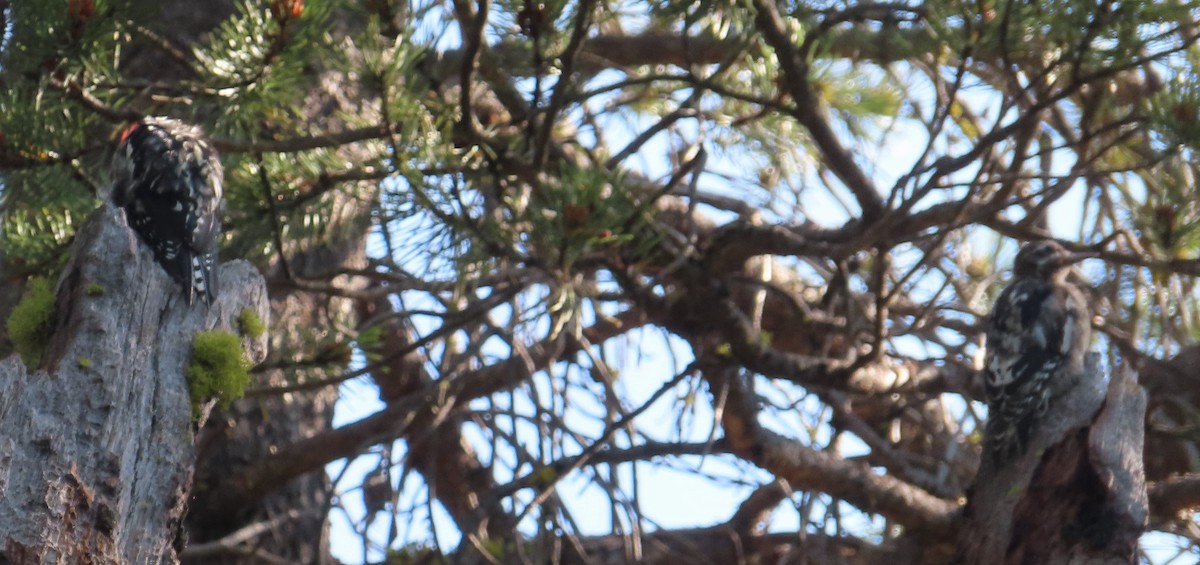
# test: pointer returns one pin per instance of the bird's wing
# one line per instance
(1027, 333)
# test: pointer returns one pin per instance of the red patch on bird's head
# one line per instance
(129, 129)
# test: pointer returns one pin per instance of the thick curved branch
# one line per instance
(702, 311)
(805, 468)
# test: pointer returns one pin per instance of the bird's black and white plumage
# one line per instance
(169, 181)
(1037, 337)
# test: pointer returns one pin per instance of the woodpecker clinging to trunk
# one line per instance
(169, 181)
(1037, 337)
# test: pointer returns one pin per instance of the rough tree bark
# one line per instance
(1078, 495)
(96, 446)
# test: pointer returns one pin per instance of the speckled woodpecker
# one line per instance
(1037, 337)
(169, 181)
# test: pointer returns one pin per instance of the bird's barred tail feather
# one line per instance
(204, 278)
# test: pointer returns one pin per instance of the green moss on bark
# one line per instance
(30, 324)
(218, 369)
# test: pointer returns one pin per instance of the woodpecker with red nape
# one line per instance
(1037, 337)
(169, 181)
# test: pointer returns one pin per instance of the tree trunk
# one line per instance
(96, 446)
(1078, 494)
